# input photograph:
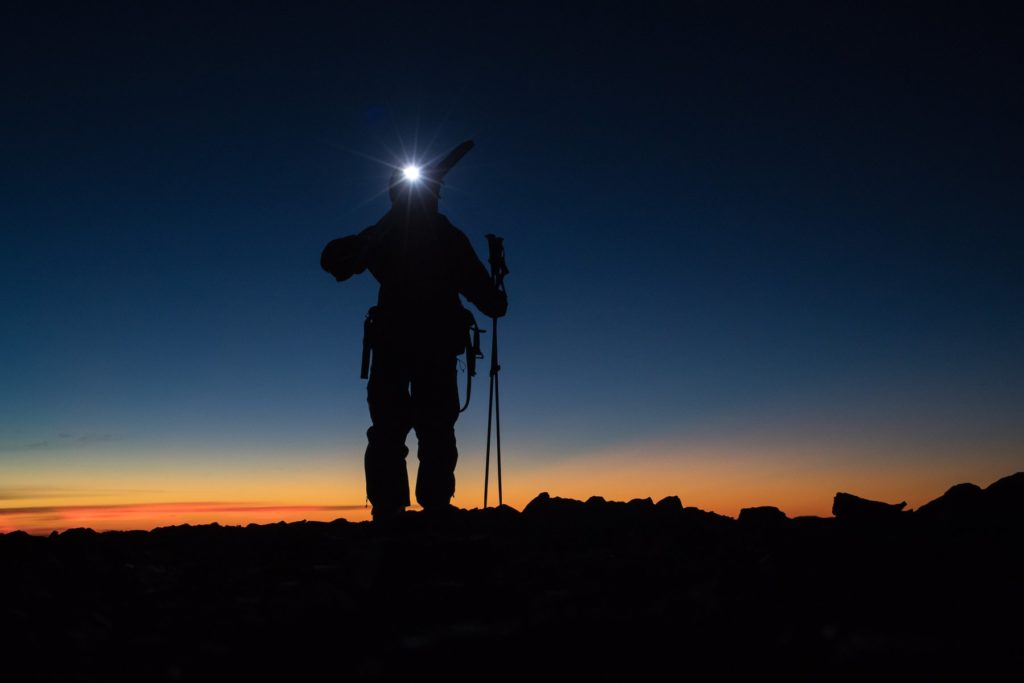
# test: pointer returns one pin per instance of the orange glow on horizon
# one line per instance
(723, 476)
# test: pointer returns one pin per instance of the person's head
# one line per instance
(417, 190)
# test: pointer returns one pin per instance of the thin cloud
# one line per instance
(18, 447)
(95, 438)
(36, 492)
(180, 507)
(23, 492)
(64, 440)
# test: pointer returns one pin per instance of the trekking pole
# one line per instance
(496, 257)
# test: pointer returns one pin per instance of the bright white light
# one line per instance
(411, 172)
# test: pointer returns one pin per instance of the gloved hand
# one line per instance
(344, 257)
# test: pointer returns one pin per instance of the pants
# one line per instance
(411, 389)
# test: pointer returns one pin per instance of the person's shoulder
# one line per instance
(449, 229)
(384, 221)
(446, 222)
(379, 230)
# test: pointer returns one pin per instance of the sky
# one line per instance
(757, 254)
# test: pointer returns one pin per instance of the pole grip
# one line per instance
(496, 258)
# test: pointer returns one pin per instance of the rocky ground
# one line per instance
(563, 589)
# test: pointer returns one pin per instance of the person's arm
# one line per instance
(342, 257)
(351, 255)
(475, 282)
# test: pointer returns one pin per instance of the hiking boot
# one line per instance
(443, 510)
(382, 513)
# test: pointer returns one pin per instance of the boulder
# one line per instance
(764, 516)
(1005, 498)
(850, 507)
(545, 504)
(669, 503)
(960, 502)
(1002, 502)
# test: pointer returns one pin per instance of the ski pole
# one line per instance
(496, 258)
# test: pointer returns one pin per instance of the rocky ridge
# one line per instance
(563, 588)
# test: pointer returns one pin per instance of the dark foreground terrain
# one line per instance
(565, 589)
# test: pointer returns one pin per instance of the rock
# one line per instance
(763, 517)
(850, 507)
(1002, 502)
(544, 504)
(1005, 498)
(963, 502)
(539, 502)
(78, 534)
(670, 503)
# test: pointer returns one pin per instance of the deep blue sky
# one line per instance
(719, 221)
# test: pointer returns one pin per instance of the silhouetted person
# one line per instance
(417, 329)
